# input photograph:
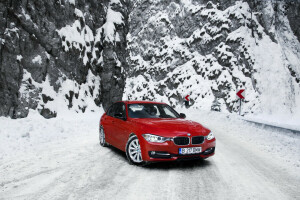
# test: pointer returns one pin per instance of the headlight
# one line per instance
(155, 138)
(210, 136)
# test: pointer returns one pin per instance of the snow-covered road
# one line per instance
(61, 159)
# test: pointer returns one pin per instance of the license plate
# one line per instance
(191, 150)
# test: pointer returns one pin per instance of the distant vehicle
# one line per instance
(151, 132)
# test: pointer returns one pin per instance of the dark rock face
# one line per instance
(292, 9)
(35, 40)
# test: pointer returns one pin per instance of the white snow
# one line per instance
(112, 18)
(81, 36)
(27, 17)
(2, 41)
(19, 57)
(115, 2)
(73, 34)
(37, 59)
(31, 133)
(282, 121)
(279, 143)
(9, 31)
(78, 13)
(77, 37)
(271, 90)
(47, 55)
(61, 158)
(83, 98)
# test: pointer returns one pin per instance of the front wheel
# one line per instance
(102, 137)
(133, 151)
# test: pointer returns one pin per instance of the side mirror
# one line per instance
(182, 115)
(120, 116)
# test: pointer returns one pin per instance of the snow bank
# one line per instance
(35, 133)
(281, 121)
(283, 145)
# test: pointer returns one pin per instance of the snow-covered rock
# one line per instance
(77, 54)
(210, 51)
(58, 55)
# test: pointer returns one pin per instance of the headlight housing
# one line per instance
(210, 136)
(155, 138)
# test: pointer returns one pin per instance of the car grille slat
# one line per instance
(186, 140)
(181, 140)
(197, 140)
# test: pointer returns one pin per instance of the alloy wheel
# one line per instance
(102, 137)
(134, 151)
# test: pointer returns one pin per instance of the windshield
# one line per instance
(149, 110)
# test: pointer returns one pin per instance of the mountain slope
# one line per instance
(77, 54)
(211, 50)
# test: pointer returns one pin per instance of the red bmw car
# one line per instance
(151, 131)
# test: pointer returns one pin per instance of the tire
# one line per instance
(102, 141)
(133, 151)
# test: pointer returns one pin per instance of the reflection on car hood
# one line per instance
(171, 127)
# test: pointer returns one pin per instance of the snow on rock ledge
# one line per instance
(210, 51)
(63, 46)
(71, 96)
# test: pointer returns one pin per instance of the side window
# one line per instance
(110, 110)
(117, 110)
(152, 110)
(168, 112)
(123, 110)
(120, 110)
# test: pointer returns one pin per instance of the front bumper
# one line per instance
(168, 151)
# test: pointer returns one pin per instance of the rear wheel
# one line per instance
(102, 137)
(133, 151)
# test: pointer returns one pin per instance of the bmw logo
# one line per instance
(189, 134)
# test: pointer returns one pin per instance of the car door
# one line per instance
(120, 126)
(108, 124)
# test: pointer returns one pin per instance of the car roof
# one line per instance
(137, 102)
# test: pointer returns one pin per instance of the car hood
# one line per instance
(171, 127)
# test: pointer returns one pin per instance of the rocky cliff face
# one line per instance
(76, 54)
(62, 54)
(211, 49)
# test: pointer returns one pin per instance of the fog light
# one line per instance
(208, 150)
(159, 154)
